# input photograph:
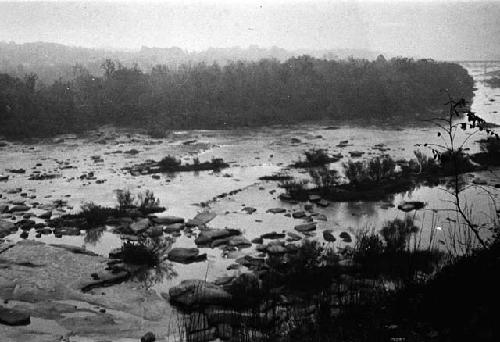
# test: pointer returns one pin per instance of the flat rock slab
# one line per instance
(202, 218)
(51, 294)
(13, 317)
(167, 219)
(276, 210)
(190, 293)
(206, 237)
(186, 255)
(173, 228)
(306, 227)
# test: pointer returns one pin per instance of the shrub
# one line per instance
(125, 199)
(314, 157)
(146, 251)
(148, 203)
(324, 178)
(317, 156)
(368, 245)
(424, 163)
(309, 261)
(397, 234)
(295, 189)
(96, 215)
(169, 162)
(456, 162)
(373, 170)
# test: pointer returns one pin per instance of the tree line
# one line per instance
(234, 95)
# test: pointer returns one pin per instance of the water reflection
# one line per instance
(150, 276)
(92, 236)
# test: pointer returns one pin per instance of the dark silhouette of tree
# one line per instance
(236, 94)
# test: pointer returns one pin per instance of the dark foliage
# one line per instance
(169, 162)
(96, 215)
(493, 82)
(237, 94)
(315, 157)
(146, 252)
(390, 254)
(490, 152)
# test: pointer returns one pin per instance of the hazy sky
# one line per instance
(436, 29)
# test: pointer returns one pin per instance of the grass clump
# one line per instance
(370, 171)
(390, 252)
(96, 215)
(169, 162)
(315, 157)
(146, 251)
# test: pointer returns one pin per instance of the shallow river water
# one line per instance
(252, 153)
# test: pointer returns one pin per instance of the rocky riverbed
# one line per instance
(221, 224)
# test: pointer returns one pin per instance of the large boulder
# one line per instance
(139, 226)
(345, 237)
(148, 337)
(173, 228)
(167, 219)
(186, 255)
(276, 210)
(201, 219)
(298, 214)
(206, 237)
(306, 227)
(411, 205)
(328, 236)
(13, 317)
(191, 293)
(19, 207)
(154, 231)
(239, 241)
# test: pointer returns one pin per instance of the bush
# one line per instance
(371, 171)
(324, 178)
(125, 199)
(148, 203)
(309, 261)
(146, 252)
(169, 162)
(490, 152)
(295, 189)
(397, 234)
(96, 215)
(423, 164)
(456, 162)
(314, 157)
(368, 245)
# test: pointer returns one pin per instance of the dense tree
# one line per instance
(236, 94)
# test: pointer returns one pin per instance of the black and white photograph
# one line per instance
(250, 171)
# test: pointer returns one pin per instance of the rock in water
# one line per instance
(409, 206)
(167, 219)
(345, 236)
(186, 255)
(148, 337)
(139, 226)
(306, 227)
(190, 293)
(201, 218)
(13, 317)
(328, 236)
(276, 210)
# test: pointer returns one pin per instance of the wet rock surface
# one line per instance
(43, 284)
